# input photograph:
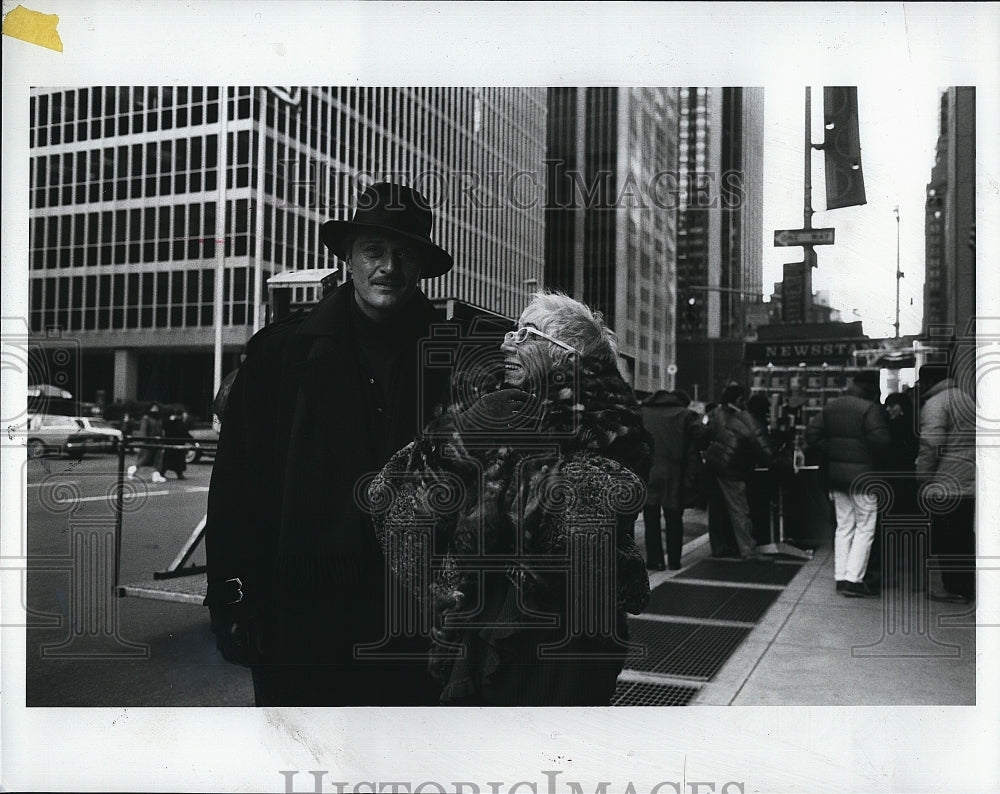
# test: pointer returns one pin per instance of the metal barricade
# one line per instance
(192, 588)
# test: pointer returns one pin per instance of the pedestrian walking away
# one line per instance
(900, 561)
(175, 432)
(738, 444)
(851, 436)
(678, 439)
(946, 466)
(297, 582)
(150, 430)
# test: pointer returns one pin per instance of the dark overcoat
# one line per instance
(678, 437)
(174, 429)
(286, 505)
(151, 427)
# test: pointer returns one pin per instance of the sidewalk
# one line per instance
(810, 646)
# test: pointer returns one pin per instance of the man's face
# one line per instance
(385, 268)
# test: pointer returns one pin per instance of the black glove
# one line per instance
(234, 622)
(237, 640)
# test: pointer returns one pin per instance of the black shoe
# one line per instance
(841, 584)
(858, 590)
(949, 598)
(673, 566)
(656, 567)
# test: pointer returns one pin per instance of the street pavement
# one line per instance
(85, 648)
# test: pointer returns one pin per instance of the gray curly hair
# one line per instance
(572, 322)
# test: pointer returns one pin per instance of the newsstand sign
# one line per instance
(802, 351)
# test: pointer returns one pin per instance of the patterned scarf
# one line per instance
(582, 408)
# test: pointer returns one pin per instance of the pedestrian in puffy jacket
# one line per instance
(738, 443)
(947, 461)
(852, 437)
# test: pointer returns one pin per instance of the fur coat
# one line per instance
(512, 539)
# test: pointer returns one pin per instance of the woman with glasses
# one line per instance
(510, 519)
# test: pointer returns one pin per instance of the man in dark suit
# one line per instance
(298, 588)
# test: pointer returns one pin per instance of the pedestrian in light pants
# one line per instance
(851, 436)
(852, 542)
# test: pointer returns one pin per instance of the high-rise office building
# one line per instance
(719, 229)
(949, 220)
(720, 225)
(126, 186)
(610, 217)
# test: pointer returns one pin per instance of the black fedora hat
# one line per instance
(388, 207)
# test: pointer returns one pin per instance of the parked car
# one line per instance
(102, 427)
(206, 438)
(62, 435)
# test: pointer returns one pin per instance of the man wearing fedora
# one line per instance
(852, 436)
(297, 582)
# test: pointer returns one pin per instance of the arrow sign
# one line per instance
(803, 237)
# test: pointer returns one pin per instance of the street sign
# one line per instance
(793, 293)
(803, 236)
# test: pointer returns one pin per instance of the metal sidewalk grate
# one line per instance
(642, 693)
(708, 601)
(778, 573)
(683, 650)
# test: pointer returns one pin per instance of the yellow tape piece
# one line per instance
(33, 27)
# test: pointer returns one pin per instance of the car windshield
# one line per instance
(99, 423)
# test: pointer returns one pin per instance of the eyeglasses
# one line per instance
(521, 335)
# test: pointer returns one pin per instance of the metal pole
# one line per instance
(258, 254)
(807, 193)
(898, 274)
(809, 258)
(220, 230)
(119, 507)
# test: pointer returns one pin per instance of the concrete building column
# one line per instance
(126, 374)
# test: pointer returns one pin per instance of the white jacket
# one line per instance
(947, 454)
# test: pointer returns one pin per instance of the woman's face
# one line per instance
(526, 363)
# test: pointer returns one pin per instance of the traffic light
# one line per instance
(845, 183)
(690, 315)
